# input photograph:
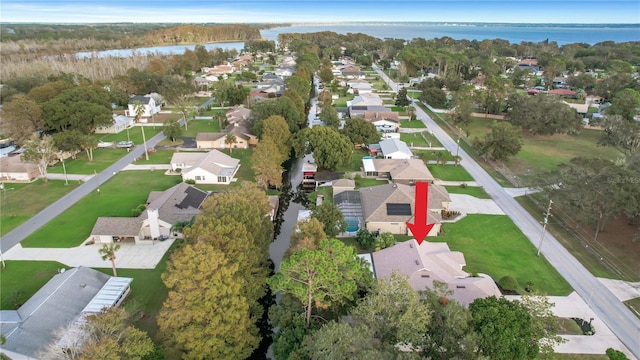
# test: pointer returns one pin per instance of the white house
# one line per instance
(213, 167)
(150, 106)
(366, 99)
(395, 149)
(120, 122)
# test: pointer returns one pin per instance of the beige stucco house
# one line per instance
(213, 167)
(431, 261)
(12, 168)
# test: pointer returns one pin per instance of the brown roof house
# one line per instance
(431, 261)
(213, 167)
(163, 209)
(401, 171)
(238, 124)
(387, 208)
(12, 168)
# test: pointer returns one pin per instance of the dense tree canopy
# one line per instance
(331, 218)
(330, 149)
(21, 118)
(80, 108)
(543, 115)
(206, 313)
(282, 106)
(504, 141)
(360, 131)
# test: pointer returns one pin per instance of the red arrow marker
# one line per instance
(420, 228)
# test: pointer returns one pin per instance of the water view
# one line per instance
(514, 33)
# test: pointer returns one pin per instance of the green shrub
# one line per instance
(190, 181)
(385, 240)
(365, 238)
(509, 283)
(138, 210)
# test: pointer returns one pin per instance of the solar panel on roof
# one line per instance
(398, 209)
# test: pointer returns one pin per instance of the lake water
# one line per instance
(562, 34)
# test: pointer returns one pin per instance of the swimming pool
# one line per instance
(353, 224)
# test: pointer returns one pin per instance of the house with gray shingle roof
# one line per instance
(55, 313)
(431, 261)
(395, 149)
(163, 209)
(213, 167)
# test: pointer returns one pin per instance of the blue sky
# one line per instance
(238, 11)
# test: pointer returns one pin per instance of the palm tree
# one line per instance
(139, 108)
(108, 252)
(230, 139)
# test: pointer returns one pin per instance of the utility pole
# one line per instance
(544, 227)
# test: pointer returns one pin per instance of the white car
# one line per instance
(103, 144)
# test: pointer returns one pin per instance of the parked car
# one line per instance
(104, 144)
(125, 144)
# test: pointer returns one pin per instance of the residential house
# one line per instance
(12, 168)
(213, 167)
(433, 261)
(218, 140)
(366, 100)
(238, 115)
(120, 122)
(163, 209)
(359, 86)
(562, 92)
(150, 106)
(405, 171)
(387, 208)
(354, 111)
(395, 149)
(220, 70)
(384, 121)
(55, 314)
(284, 71)
(352, 72)
(341, 185)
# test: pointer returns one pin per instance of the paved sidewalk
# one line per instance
(515, 192)
(130, 256)
(623, 290)
(574, 306)
(70, 177)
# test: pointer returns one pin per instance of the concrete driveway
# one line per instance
(467, 204)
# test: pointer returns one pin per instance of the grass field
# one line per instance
(19, 202)
(148, 292)
(412, 124)
(493, 245)
(102, 159)
(117, 197)
(135, 134)
(474, 191)
(356, 161)
(196, 126)
(544, 153)
(21, 279)
(449, 173)
(363, 182)
(162, 156)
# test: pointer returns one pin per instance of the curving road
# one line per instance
(616, 315)
(30, 226)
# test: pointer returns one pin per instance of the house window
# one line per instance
(199, 178)
(222, 179)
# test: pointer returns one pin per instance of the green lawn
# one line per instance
(162, 156)
(365, 182)
(356, 161)
(493, 245)
(412, 124)
(21, 279)
(117, 197)
(196, 126)
(474, 191)
(568, 326)
(545, 153)
(102, 159)
(22, 201)
(135, 134)
(148, 292)
(449, 173)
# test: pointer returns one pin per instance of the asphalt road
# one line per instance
(30, 226)
(616, 315)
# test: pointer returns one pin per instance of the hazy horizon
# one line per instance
(578, 12)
